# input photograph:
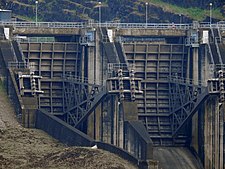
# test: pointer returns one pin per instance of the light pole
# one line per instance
(146, 14)
(210, 14)
(180, 18)
(36, 5)
(99, 13)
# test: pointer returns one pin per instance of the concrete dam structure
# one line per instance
(152, 93)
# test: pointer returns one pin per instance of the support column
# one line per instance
(94, 77)
(91, 76)
(208, 132)
(188, 63)
(221, 128)
(116, 121)
(195, 73)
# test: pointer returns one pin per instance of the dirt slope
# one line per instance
(22, 148)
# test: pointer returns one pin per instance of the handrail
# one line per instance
(18, 65)
(45, 24)
(220, 37)
(183, 26)
(80, 79)
(213, 34)
(183, 80)
(211, 55)
(218, 51)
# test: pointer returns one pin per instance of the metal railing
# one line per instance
(218, 50)
(18, 65)
(83, 80)
(182, 80)
(33, 39)
(183, 26)
(210, 52)
(44, 24)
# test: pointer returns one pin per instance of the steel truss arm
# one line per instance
(81, 99)
(185, 97)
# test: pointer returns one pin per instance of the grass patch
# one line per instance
(2, 87)
(195, 13)
(24, 18)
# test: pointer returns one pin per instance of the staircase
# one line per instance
(121, 55)
(217, 48)
(222, 51)
(113, 50)
(7, 51)
(18, 51)
(214, 53)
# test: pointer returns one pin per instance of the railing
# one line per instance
(83, 80)
(218, 50)
(211, 55)
(21, 39)
(144, 25)
(18, 65)
(182, 80)
(218, 66)
(44, 24)
(219, 33)
(220, 25)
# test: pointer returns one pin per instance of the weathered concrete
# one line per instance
(195, 76)
(94, 69)
(73, 137)
(47, 31)
(175, 158)
(29, 114)
(151, 32)
(130, 111)
(61, 130)
(153, 63)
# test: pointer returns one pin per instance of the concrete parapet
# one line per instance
(150, 32)
(137, 140)
(47, 31)
(61, 130)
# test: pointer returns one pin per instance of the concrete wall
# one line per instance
(151, 32)
(47, 31)
(61, 130)
(94, 69)
(73, 137)
(148, 164)
(195, 77)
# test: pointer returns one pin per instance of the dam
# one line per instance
(151, 92)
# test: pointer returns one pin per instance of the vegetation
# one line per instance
(2, 87)
(195, 13)
(125, 10)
